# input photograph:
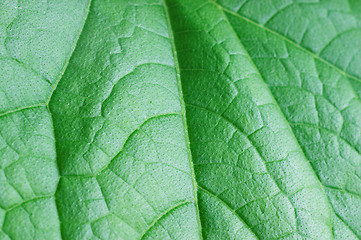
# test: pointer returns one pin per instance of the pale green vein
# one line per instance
(343, 190)
(347, 226)
(258, 152)
(318, 178)
(309, 125)
(71, 52)
(276, 103)
(179, 83)
(229, 208)
(28, 67)
(313, 55)
(163, 215)
(51, 94)
(289, 41)
(342, 72)
(22, 108)
(29, 200)
(125, 142)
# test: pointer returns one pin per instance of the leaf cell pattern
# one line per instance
(169, 119)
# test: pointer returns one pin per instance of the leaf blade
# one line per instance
(331, 119)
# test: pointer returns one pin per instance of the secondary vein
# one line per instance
(289, 41)
(281, 112)
(71, 52)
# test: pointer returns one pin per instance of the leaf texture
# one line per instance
(192, 119)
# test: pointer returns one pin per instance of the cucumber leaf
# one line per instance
(180, 119)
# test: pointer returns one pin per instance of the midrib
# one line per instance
(179, 84)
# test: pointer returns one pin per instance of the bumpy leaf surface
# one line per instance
(180, 119)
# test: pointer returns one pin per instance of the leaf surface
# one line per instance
(175, 119)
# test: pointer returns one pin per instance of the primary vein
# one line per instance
(179, 83)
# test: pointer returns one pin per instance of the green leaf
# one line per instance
(180, 119)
